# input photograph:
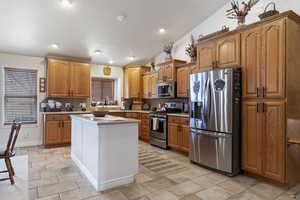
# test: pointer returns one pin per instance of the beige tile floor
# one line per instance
(163, 175)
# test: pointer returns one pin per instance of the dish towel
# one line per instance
(155, 122)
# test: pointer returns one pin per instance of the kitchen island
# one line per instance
(105, 149)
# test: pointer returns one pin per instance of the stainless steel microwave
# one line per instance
(166, 90)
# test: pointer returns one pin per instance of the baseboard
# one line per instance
(85, 171)
(105, 185)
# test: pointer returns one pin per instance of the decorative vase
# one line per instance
(241, 21)
(168, 57)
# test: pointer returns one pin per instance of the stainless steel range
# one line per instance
(215, 119)
(159, 124)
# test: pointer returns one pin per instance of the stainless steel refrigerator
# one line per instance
(215, 114)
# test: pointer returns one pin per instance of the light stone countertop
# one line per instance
(66, 112)
(108, 119)
(112, 111)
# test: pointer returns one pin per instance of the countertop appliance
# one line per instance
(166, 90)
(215, 112)
(159, 124)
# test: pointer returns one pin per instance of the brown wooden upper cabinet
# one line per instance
(228, 51)
(264, 146)
(183, 77)
(133, 81)
(149, 85)
(263, 61)
(68, 78)
(167, 70)
(219, 53)
(80, 83)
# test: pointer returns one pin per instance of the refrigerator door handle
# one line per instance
(211, 134)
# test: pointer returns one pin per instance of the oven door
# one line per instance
(158, 128)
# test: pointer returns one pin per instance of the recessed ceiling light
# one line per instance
(111, 62)
(66, 3)
(97, 52)
(131, 58)
(55, 46)
(121, 18)
(162, 30)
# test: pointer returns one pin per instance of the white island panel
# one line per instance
(106, 151)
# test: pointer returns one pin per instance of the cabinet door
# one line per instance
(58, 76)
(126, 83)
(169, 72)
(80, 79)
(273, 57)
(185, 139)
(206, 55)
(228, 51)
(154, 80)
(161, 74)
(274, 141)
(53, 132)
(134, 83)
(183, 81)
(146, 80)
(173, 136)
(251, 62)
(66, 132)
(252, 138)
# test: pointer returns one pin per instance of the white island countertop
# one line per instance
(108, 119)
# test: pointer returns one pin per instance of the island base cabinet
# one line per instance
(107, 154)
(264, 139)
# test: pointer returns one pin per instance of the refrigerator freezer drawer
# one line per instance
(211, 149)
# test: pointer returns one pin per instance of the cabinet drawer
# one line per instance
(179, 120)
(58, 117)
(145, 116)
(133, 115)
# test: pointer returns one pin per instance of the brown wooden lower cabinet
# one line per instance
(57, 130)
(145, 127)
(178, 133)
(264, 142)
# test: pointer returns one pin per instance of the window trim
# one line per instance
(35, 97)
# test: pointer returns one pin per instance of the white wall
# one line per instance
(116, 74)
(218, 19)
(30, 134)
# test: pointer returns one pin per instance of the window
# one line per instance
(20, 96)
(102, 88)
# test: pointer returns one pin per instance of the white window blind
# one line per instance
(102, 88)
(20, 97)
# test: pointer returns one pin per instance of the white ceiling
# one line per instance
(29, 27)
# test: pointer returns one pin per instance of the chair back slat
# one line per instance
(15, 129)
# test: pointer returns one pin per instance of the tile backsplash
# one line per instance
(155, 102)
(75, 102)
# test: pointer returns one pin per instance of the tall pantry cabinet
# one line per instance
(271, 101)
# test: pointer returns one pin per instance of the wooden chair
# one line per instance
(7, 153)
